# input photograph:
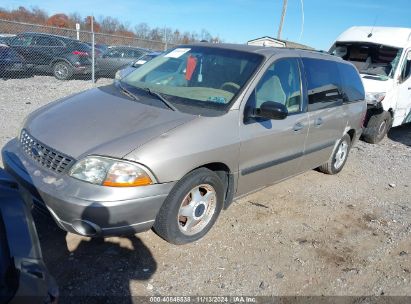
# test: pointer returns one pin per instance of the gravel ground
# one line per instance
(348, 234)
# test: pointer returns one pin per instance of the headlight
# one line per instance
(117, 75)
(20, 129)
(374, 98)
(111, 172)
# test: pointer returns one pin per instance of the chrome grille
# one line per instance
(44, 155)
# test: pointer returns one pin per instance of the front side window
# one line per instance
(281, 83)
(197, 76)
(21, 40)
(323, 83)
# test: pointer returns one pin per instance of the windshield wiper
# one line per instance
(370, 73)
(161, 98)
(127, 92)
(382, 77)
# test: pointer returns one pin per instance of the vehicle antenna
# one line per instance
(372, 29)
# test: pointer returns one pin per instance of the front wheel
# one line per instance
(377, 127)
(191, 208)
(338, 158)
(62, 70)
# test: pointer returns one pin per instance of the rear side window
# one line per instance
(78, 46)
(47, 41)
(323, 84)
(351, 83)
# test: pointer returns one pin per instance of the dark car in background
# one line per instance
(99, 47)
(11, 62)
(136, 64)
(24, 278)
(59, 55)
(117, 58)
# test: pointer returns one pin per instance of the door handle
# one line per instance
(318, 122)
(298, 126)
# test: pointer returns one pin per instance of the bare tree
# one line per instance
(106, 24)
(205, 35)
(142, 30)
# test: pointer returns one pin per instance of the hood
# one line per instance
(99, 121)
(373, 84)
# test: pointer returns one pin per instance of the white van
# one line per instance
(383, 57)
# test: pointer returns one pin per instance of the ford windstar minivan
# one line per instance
(174, 142)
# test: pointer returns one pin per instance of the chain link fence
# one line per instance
(30, 49)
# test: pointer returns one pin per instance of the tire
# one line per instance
(338, 158)
(62, 70)
(377, 127)
(171, 223)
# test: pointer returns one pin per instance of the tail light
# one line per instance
(80, 53)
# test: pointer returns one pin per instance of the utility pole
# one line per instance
(280, 29)
(165, 39)
(93, 70)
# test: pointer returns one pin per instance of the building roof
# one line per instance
(287, 43)
(391, 36)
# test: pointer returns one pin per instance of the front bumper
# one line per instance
(14, 68)
(81, 207)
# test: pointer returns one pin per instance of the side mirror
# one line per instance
(272, 110)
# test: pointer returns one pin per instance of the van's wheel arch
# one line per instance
(378, 125)
(196, 200)
(339, 156)
(62, 70)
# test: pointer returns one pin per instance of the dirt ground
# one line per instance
(314, 234)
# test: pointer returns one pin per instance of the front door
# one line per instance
(271, 150)
(23, 45)
(403, 107)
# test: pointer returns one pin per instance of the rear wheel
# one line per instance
(377, 127)
(191, 208)
(62, 70)
(338, 158)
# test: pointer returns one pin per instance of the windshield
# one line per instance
(372, 59)
(197, 76)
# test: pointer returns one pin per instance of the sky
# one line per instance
(238, 21)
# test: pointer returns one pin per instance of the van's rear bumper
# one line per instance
(81, 207)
